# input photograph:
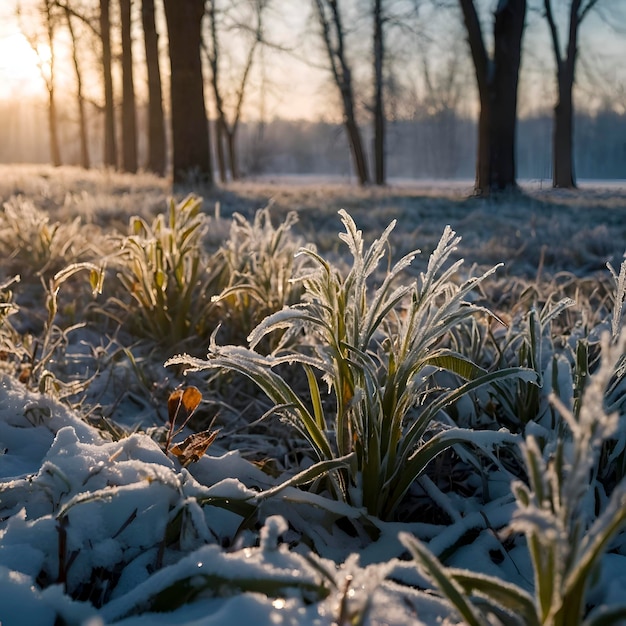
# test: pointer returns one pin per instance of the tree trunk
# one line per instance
(482, 184)
(333, 36)
(563, 129)
(481, 68)
(497, 80)
(231, 137)
(220, 131)
(110, 144)
(562, 141)
(82, 121)
(129, 121)
(156, 120)
(213, 54)
(379, 112)
(190, 129)
(55, 150)
(227, 131)
(356, 145)
(508, 29)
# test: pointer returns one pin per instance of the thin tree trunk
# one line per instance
(231, 136)
(190, 128)
(563, 125)
(55, 150)
(49, 78)
(379, 112)
(481, 67)
(482, 184)
(129, 121)
(82, 120)
(356, 144)
(227, 132)
(220, 124)
(110, 144)
(342, 76)
(220, 131)
(156, 119)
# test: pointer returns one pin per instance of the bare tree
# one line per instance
(129, 115)
(110, 143)
(333, 35)
(213, 53)
(156, 120)
(226, 131)
(563, 129)
(379, 110)
(497, 79)
(82, 118)
(382, 18)
(190, 129)
(47, 68)
(95, 16)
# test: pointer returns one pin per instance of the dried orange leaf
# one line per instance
(188, 398)
(191, 399)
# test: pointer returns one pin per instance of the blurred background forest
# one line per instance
(289, 85)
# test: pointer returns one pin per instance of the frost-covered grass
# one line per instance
(371, 434)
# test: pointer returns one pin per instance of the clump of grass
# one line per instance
(260, 262)
(34, 245)
(167, 276)
(40, 355)
(531, 346)
(175, 290)
(556, 512)
(375, 349)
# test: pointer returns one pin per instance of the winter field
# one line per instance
(261, 405)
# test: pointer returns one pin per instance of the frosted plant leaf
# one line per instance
(620, 297)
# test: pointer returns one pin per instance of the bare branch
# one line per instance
(554, 33)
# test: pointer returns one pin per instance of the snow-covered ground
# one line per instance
(75, 505)
(108, 530)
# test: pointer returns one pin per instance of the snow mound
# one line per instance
(94, 531)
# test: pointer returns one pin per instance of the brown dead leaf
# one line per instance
(193, 447)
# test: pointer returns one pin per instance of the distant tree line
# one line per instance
(440, 146)
(213, 47)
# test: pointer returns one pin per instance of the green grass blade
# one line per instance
(419, 426)
(445, 583)
(308, 475)
(316, 398)
(502, 594)
(455, 363)
(410, 468)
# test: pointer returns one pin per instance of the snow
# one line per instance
(122, 526)
(117, 499)
(112, 502)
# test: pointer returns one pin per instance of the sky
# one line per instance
(295, 84)
(19, 72)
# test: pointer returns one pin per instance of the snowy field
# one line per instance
(265, 518)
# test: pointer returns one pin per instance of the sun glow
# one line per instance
(19, 67)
